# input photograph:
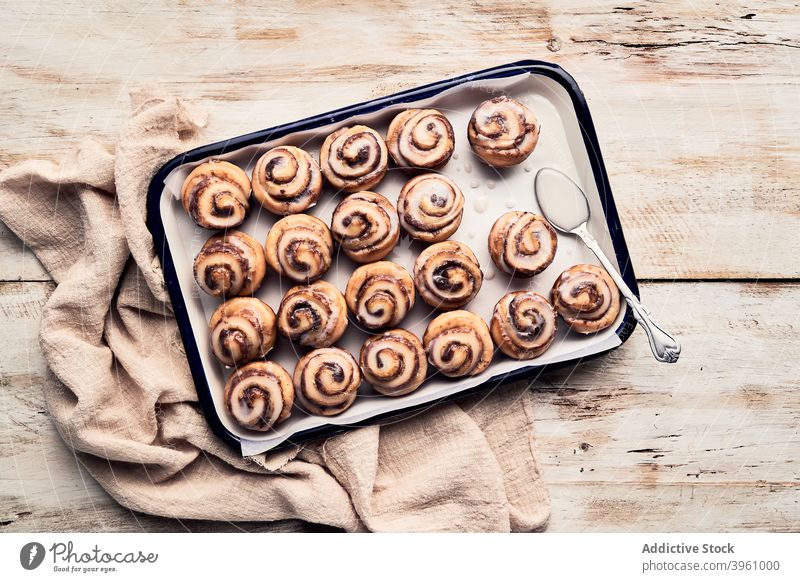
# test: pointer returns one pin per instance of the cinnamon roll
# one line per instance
(242, 329)
(458, 343)
(430, 207)
(380, 294)
(230, 264)
(287, 180)
(326, 381)
(354, 158)
(522, 243)
(503, 132)
(258, 395)
(216, 195)
(394, 362)
(300, 247)
(523, 325)
(447, 275)
(586, 298)
(420, 138)
(313, 315)
(365, 226)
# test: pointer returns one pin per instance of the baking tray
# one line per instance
(568, 141)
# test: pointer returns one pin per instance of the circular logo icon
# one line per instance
(31, 555)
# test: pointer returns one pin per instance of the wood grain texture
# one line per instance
(695, 103)
(626, 444)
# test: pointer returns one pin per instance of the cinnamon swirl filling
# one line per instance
(447, 275)
(326, 381)
(242, 329)
(522, 243)
(380, 295)
(365, 226)
(216, 195)
(586, 298)
(523, 325)
(503, 132)
(259, 395)
(313, 315)
(458, 343)
(354, 158)
(430, 207)
(230, 264)
(300, 247)
(287, 180)
(394, 362)
(420, 138)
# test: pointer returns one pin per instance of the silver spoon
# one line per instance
(565, 206)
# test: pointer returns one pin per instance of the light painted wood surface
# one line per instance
(696, 108)
(626, 445)
(695, 102)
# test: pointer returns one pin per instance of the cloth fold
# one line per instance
(121, 395)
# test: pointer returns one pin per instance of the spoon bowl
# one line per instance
(561, 200)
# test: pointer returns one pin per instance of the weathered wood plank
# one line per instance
(626, 444)
(695, 103)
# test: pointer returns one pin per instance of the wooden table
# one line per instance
(696, 105)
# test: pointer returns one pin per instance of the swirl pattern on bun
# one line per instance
(523, 325)
(380, 294)
(230, 264)
(326, 381)
(458, 343)
(354, 158)
(365, 226)
(216, 195)
(394, 362)
(313, 315)
(447, 275)
(420, 138)
(259, 395)
(522, 243)
(300, 247)
(503, 132)
(287, 180)
(430, 207)
(242, 329)
(586, 298)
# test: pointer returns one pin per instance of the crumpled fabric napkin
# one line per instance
(120, 392)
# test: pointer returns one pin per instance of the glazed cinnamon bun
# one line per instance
(394, 362)
(313, 315)
(420, 138)
(458, 343)
(523, 325)
(365, 226)
(300, 248)
(354, 158)
(522, 243)
(380, 294)
(216, 195)
(503, 132)
(326, 381)
(242, 329)
(230, 264)
(259, 395)
(430, 207)
(287, 180)
(586, 298)
(447, 275)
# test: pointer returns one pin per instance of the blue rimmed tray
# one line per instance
(568, 141)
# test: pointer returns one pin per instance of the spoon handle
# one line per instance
(665, 347)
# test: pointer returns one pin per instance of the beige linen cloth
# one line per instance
(122, 397)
